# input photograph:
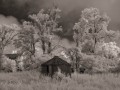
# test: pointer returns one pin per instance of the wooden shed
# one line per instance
(12, 56)
(52, 66)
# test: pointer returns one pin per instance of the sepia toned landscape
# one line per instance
(59, 45)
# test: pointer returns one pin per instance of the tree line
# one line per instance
(94, 42)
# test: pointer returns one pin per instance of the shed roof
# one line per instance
(12, 56)
(55, 61)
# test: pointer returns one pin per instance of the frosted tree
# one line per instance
(7, 35)
(79, 32)
(46, 24)
(109, 50)
(87, 47)
(26, 39)
(75, 56)
(93, 26)
(26, 43)
(107, 56)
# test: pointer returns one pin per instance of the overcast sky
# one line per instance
(21, 8)
(15, 11)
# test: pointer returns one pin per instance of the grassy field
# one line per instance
(32, 80)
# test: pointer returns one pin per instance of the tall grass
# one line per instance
(33, 80)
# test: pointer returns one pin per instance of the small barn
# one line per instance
(15, 61)
(12, 56)
(52, 66)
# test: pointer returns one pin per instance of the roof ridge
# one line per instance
(55, 60)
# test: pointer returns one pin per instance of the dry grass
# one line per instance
(32, 80)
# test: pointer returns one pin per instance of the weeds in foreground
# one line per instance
(33, 80)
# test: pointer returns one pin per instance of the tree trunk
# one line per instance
(77, 42)
(95, 42)
(33, 49)
(77, 63)
(43, 46)
(1, 53)
(49, 48)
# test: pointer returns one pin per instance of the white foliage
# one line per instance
(13, 65)
(103, 64)
(8, 63)
(21, 62)
(14, 52)
(63, 54)
(109, 49)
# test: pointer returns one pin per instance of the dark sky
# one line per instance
(20, 8)
(14, 11)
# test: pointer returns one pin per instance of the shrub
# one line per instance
(59, 75)
(30, 64)
(8, 65)
(109, 50)
(103, 64)
(116, 69)
(87, 63)
(98, 64)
